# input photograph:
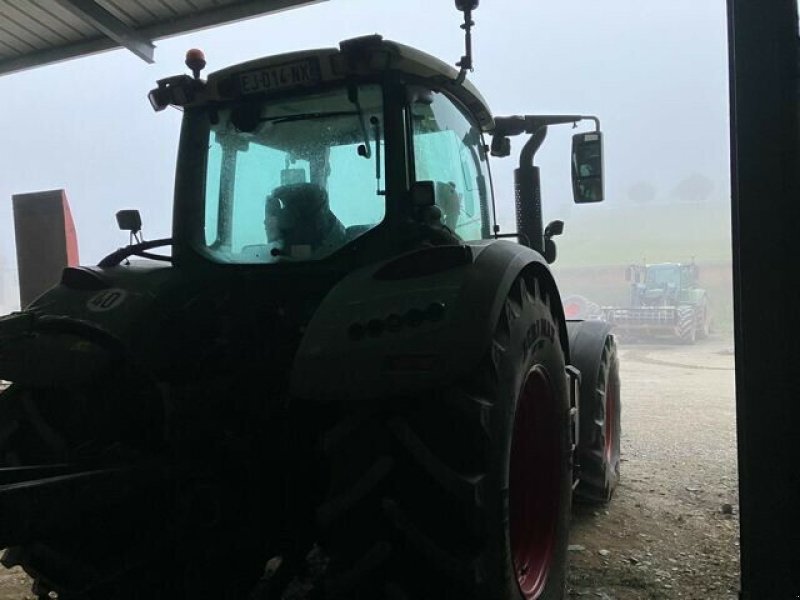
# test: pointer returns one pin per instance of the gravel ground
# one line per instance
(672, 529)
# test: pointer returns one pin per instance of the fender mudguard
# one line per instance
(52, 351)
(415, 322)
(586, 341)
(92, 319)
(693, 296)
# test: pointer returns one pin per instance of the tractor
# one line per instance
(342, 375)
(665, 299)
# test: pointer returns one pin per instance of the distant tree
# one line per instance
(641, 192)
(694, 188)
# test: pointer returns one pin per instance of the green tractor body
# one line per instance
(665, 300)
(341, 357)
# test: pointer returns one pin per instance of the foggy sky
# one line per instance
(654, 72)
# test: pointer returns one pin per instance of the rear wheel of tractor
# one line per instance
(600, 428)
(465, 492)
(686, 328)
(703, 320)
(624, 337)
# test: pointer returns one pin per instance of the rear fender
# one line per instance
(54, 351)
(79, 328)
(416, 328)
(694, 296)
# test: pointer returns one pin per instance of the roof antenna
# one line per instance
(466, 6)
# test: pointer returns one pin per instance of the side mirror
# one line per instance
(501, 145)
(464, 5)
(129, 220)
(634, 273)
(587, 167)
(553, 229)
(178, 90)
(689, 273)
(629, 274)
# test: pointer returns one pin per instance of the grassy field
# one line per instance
(600, 241)
(675, 232)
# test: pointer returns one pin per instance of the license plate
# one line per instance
(279, 77)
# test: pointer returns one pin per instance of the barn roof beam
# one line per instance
(102, 20)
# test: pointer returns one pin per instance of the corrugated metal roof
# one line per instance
(38, 32)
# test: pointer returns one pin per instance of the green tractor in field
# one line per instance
(340, 377)
(665, 299)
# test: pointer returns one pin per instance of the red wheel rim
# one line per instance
(611, 401)
(534, 484)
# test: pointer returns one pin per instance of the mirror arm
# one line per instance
(531, 147)
(526, 176)
(517, 124)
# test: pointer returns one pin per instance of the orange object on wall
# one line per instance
(46, 241)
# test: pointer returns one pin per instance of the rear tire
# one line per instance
(686, 329)
(704, 321)
(463, 493)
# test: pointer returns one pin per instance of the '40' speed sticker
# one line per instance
(106, 300)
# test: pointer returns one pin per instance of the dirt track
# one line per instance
(671, 531)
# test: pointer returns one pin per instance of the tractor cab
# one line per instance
(308, 156)
(354, 154)
(663, 276)
(662, 283)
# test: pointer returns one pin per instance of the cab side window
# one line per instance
(448, 150)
